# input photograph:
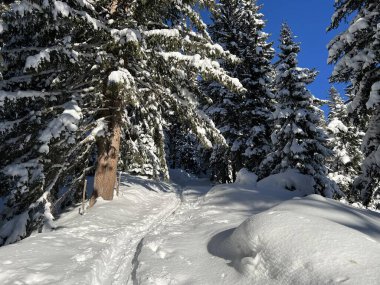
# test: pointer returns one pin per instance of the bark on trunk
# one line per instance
(105, 174)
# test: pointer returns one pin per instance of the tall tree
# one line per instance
(355, 54)
(299, 138)
(243, 118)
(78, 88)
(344, 139)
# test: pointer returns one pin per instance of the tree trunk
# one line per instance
(105, 174)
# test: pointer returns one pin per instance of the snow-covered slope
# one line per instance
(185, 233)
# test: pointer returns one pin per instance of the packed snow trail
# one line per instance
(96, 248)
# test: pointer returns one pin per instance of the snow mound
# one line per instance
(312, 240)
(291, 180)
(245, 177)
(183, 178)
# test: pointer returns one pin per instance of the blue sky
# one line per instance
(308, 20)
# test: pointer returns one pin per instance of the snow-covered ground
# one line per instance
(189, 232)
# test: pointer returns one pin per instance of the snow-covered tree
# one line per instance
(356, 56)
(82, 77)
(184, 149)
(299, 139)
(344, 139)
(243, 118)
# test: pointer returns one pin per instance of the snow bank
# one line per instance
(183, 178)
(245, 177)
(289, 180)
(312, 240)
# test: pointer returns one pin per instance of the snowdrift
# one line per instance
(311, 240)
(290, 180)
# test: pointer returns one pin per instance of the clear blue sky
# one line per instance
(308, 19)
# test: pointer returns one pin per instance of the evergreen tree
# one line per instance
(345, 140)
(80, 78)
(185, 151)
(243, 118)
(299, 138)
(356, 55)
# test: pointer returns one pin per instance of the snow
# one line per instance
(121, 76)
(61, 8)
(99, 130)
(66, 122)
(296, 147)
(168, 33)
(2, 27)
(245, 177)
(35, 61)
(188, 232)
(286, 244)
(125, 35)
(290, 179)
(94, 22)
(87, 4)
(336, 126)
(204, 65)
(359, 24)
(374, 96)
(22, 7)
(21, 170)
(13, 96)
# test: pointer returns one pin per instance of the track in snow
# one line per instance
(115, 265)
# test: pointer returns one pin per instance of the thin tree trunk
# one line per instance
(105, 174)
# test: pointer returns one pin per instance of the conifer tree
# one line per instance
(243, 118)
(355, 54)
(299, 138)
(80, 78)
(345, 139)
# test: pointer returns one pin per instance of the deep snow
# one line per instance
(185, 233)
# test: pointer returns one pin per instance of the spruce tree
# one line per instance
(81, 80)
(299, 139)
(243, 118)
(344, 139)
(355, 54)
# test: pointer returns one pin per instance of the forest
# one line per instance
(91, 88)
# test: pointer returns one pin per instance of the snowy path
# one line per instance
(120, 258)
(97, 248)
